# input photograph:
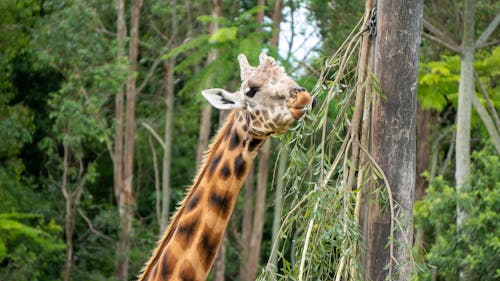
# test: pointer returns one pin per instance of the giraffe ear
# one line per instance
(222, 99)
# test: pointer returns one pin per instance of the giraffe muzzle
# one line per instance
(301, 103)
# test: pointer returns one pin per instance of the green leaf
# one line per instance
(224, 34)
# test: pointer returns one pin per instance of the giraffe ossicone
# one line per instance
(267, 102)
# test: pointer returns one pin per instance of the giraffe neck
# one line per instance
(188, 247)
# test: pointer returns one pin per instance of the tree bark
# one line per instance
(487, 121)
(168, 70)
(167, 153)
(393, 137)
(127, 200)
(465, 92)
(260, 209)
(246, 228)
(278, 207)
(216, 11)
(424, 119)
(72, 200)
(118, 141)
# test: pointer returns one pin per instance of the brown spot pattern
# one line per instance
(254, 143)
(186, 231)
(225, 172)
(220, 203)
(194, 200)
(207, 248)
(187, 272)
(214, 164)
(168, 265)
(239, 166)
(235, 140)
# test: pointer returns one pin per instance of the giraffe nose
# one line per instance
(295, 90)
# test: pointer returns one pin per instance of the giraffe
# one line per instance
(267, 103)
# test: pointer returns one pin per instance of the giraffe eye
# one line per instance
(251, 92)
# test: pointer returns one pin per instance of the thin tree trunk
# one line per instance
(487, 121)
(252, 263)
(276, 23)
(72, 200)
(260, 208)
(157, 180)
(246, 228)
(393, 137)
(128, 201)
(118, 142)
(167, 153)
(168, 70)
(206, 112)
(69, 219)
(465, 92)
(424, 119)
(278, 206)
(280, 183)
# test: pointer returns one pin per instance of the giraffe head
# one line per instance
(268, 99)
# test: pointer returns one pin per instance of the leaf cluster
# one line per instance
(476, 252)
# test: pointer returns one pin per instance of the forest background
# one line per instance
(102, 128)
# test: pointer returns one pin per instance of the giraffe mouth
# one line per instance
(301, 104)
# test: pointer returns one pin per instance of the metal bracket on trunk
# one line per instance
(371, 26)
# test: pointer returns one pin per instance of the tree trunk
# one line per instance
(127, 200)
(69, 220)
(278, 206)
(280, 183)
(166, 164)
(246, 224)
(206, 112)
(487, 121)
(393, 137)
(260, 209)
(465, 92)
(118, 142)
(168, 69)
(72, 200)
(219, 270)
(424, 119)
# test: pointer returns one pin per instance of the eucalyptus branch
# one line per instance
(306, 245)
(450, 46)
(488, 100)
(151, 71)
(91, 227)
(100, 122)
(441, 36)
(64, 181)
(481, 41)
(487, 44)
(488, 123)
(157, 179)
(449, 154)
(153, 132)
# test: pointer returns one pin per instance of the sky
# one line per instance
(304, 32)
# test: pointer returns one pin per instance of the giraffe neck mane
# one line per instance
(229, 137)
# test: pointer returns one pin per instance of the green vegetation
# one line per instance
(62, 65)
